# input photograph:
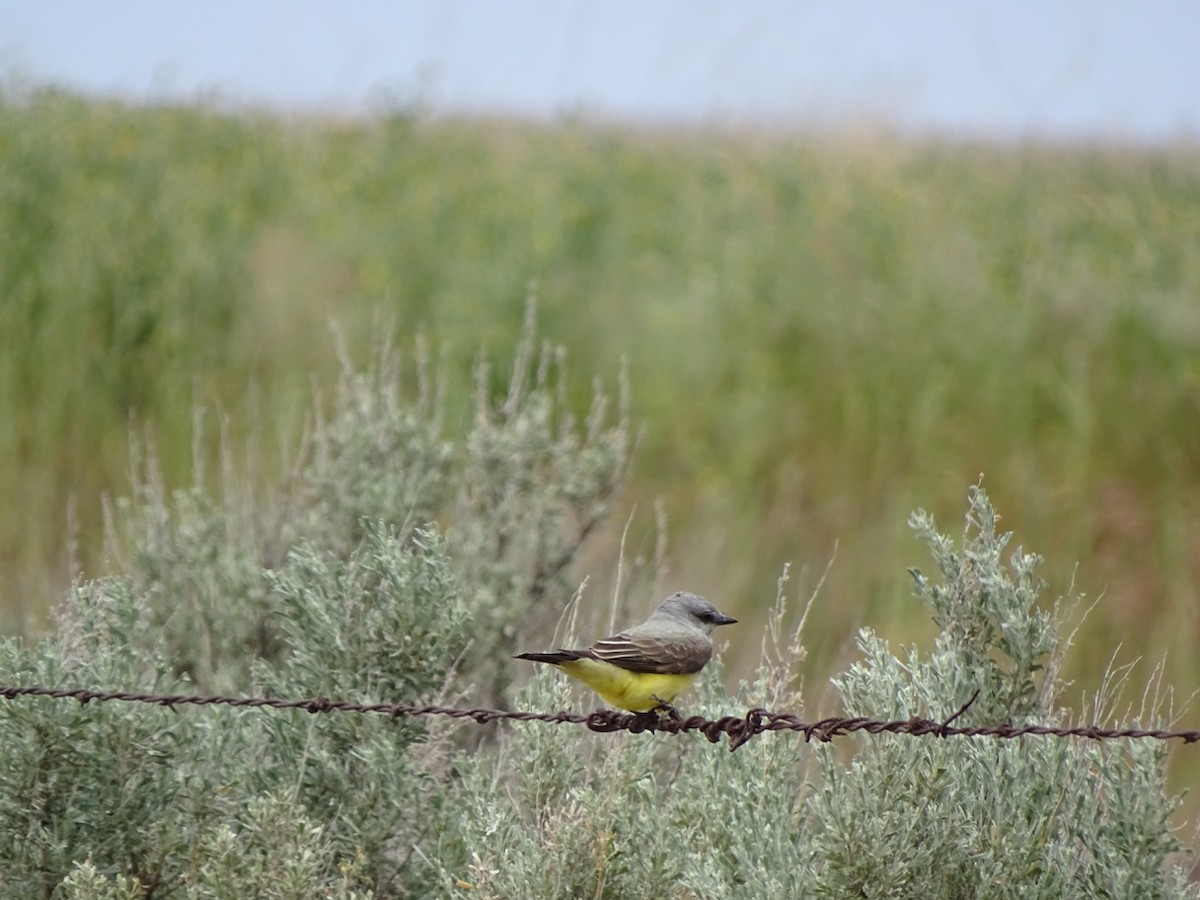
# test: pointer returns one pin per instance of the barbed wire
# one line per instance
(739, 729)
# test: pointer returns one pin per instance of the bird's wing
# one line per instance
(666, 654)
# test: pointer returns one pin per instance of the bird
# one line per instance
(643, 668)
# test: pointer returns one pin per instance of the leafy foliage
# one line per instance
(631, 816)
(371, 601)
(375, 602)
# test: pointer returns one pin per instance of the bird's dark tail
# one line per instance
(560, 656)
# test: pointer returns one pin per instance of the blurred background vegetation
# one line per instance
(822, 333)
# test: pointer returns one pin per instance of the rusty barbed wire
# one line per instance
(739, 729)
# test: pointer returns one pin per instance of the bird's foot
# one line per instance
(666, 707)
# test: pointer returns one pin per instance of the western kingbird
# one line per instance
(645, 667)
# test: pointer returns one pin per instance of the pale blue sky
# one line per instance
(1095, 68)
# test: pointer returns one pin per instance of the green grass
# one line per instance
(822, 333)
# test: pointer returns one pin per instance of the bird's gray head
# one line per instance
(692, 609)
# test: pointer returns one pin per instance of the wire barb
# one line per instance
(943, 730)
(739, 729)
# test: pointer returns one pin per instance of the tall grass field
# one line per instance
(804, 338)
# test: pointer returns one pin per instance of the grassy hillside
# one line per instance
(821, 333)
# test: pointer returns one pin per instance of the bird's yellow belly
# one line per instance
(634, 691)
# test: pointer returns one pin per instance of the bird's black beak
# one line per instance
(725, 620)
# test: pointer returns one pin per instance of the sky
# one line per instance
(1023, 68)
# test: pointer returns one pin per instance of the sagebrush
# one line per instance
(405, 560)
